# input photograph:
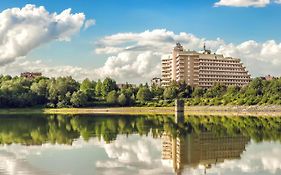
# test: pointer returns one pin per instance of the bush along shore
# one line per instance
(65, 92)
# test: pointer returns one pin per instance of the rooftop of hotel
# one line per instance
(204, 54)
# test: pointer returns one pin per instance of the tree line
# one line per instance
(67, 92)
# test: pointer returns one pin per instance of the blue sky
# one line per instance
(199, 17)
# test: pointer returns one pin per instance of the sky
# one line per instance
(126, 39)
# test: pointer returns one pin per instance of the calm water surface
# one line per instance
(88, 144)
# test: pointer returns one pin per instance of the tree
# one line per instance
(111, 97)
(40, 88)
(184, 90)
(198, 92)
(59, 88)
(88, 88)
(78, 99)
(122, 100)
(144, 94)
(156, 91)
(98, 88)
(170, 93)
(216, 91)
(108, 85)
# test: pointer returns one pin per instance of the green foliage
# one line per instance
(67, 92)
(122, 100)
(60, 90)
(98, 88)
(88, 88)
(217, 90)
(170, 93)
(198, 92)
(108, 85)
(78, 99)
(144, 94)
(112, 97)
(156, 91)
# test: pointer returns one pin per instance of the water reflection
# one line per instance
(204, 149)
(139, 144)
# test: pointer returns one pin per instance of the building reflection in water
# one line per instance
(201, 149)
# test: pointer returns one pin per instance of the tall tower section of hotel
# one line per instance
(203, 69)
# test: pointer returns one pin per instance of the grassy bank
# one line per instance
(189, 110)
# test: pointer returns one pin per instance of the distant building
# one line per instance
(156, 81)
(203, 69)
(268, 77)
(31, 75)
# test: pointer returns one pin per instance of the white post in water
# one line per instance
(179, 111)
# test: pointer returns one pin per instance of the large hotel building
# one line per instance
(203, 69)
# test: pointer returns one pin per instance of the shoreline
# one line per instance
(189, 110)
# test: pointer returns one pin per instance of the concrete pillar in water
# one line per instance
(179, 111)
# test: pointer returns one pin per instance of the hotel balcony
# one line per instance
(220, 69)
(180, 67)
(221, 66)
(180, 75)
(180, 71)
(223, 78)
(219, 62)
(166, 66)
(224, 74)
(180, 62)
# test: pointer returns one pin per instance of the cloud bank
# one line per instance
(246, 3)
(136, 56)
(22, 30)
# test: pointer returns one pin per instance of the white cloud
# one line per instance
(136, 56)
(246, 3)
(22, 30)
(22, 64)
(243, 3)
(262, 158)
(89, 23)
(133, 155)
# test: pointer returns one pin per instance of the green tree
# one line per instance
(88, 88)
(156, 91)
(111, 97)
(60, 90)
(170, 93)
(78, 99)
(144, 94)
(122, 100)
(198, 92)
(98, 88)
(108, 85)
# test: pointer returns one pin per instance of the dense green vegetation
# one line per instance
(67, 92)
(36, 130)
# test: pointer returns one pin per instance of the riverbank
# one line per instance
(189, 110)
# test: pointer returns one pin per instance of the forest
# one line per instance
(66, 92)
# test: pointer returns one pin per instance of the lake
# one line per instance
(116, 144)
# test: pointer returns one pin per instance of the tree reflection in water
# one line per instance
(59, 129)
(189, 141)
